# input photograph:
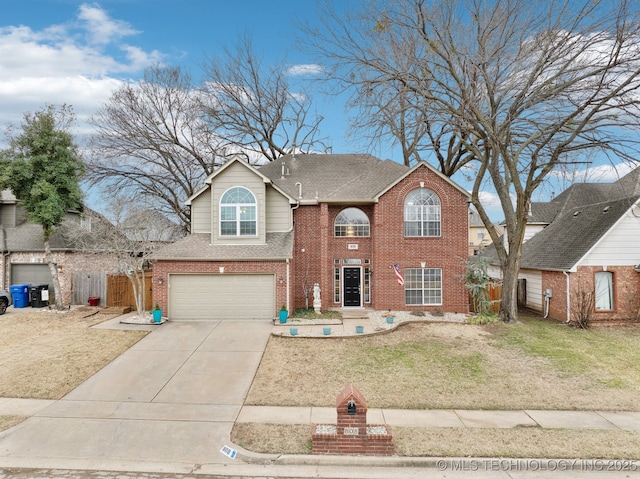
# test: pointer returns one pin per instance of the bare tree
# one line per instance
(161, 137)
(130, 235)
(253, 106)
(152, 141)
(523, 87)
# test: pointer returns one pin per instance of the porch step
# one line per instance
(355, 313)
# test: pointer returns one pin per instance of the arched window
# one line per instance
(351, 222)
(422, 213)
(238, 213)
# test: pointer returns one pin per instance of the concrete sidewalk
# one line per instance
(432, 418)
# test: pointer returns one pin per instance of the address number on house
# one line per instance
(351, 431)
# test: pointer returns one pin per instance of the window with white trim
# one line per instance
(423, 286)
(351, 222)
(604, 291)
(238, 213)
(422, 213)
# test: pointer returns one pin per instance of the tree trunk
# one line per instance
(53, 268)
(138, 290)
(509, 298)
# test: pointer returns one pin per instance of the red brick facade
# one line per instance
(318, 253)
(626, 284)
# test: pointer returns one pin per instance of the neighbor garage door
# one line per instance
(31, 273)
(221, 296)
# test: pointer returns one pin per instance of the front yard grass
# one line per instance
(536, 364)
(44, 355)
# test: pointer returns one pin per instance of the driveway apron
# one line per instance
(172, 397)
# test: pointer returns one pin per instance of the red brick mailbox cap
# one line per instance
(350, 392)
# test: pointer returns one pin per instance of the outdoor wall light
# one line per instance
(60, 268)
(423, 264)
(160, 280)
(221, 269)
(280, 280)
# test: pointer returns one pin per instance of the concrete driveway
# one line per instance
(172, 398)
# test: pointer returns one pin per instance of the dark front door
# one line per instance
(351, 286)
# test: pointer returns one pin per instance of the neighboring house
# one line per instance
(586, 250)
(479, 237)
(261, 238)
(23, 258)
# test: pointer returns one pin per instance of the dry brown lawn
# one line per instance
(532, 365)
(44, 355)
(461, 366)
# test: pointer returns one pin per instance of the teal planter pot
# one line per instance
(157, 315)
(359, 329)
(389, 319)
(293, 331)
(326, 331)
(283, 314)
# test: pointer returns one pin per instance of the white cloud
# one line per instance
(101, 28)
(79, 62)
(300, 70)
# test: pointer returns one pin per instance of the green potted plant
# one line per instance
(284, 314)
(157, 314)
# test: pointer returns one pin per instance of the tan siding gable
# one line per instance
(201, 213)
(238, 175)
(278, 212)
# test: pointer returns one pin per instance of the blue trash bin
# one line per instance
(20, 295)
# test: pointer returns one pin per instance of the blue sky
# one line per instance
(66, 51)
(74, 52)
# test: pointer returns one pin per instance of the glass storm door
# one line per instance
(351, 286)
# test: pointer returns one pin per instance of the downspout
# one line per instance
(5, 255)
(568, 287)
(297, 205)
(288, 287)
(546, 305)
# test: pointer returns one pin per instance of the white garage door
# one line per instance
(221, 296)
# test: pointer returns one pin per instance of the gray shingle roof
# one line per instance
(333, 177)
(572, 234)
(29, 237)
(198, 247)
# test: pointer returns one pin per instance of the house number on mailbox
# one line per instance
(351, 431)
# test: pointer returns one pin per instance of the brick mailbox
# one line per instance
(351, 435)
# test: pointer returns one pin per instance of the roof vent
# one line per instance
(606, 209)
(576, 214)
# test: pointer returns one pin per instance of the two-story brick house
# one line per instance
(262, 237)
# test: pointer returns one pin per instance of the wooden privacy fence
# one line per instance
(113, 291)
(494, 293)
(120, 291)
(89, 283)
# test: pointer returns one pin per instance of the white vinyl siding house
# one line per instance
(620, 246)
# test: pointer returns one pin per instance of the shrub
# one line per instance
(583, 312)
(485, 318)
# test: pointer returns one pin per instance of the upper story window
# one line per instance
(351, 222)
(422, 213)
(238, 213)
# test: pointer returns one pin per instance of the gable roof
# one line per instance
(562, 244)
(333, 178)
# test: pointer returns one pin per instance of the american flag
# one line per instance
(396, 268)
